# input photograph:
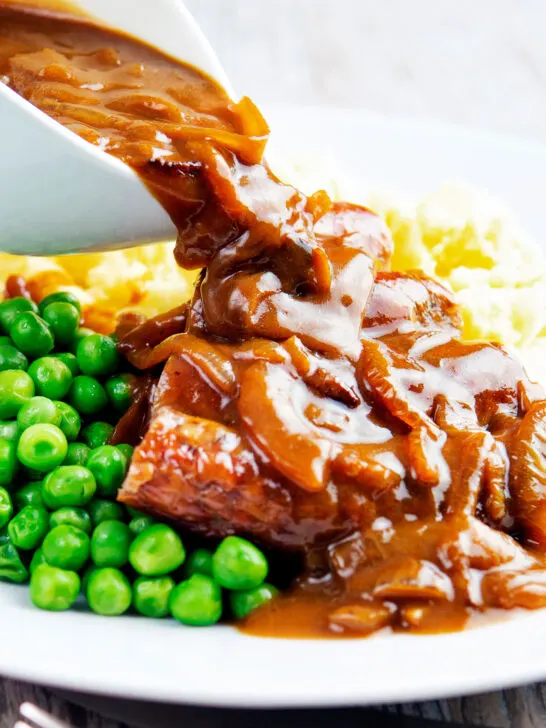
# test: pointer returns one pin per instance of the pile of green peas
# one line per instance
(61, 393)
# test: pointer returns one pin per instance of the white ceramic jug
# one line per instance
(60, 194)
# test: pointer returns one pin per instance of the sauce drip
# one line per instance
(309, 398)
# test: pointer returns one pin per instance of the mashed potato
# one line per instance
(462, 237)
(144, 279)
(472, 245)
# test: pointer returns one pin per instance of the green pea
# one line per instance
(53, 589)
(38, 410)
(70, 361)
(70, 421)
(198, 562)
(151, 596)
(29, 495)
(120, 391)
(109, 592)
(244, 602)
(52, 378)
(237, 564)
(104, 510)
(6, 507)
(8, 462)
(137, 525)
(32, 335)
(63, 319)
(126, 450)
(133, 512)
(97, 355)
(76, 454)
(110, 544)
(108, 466)
(63, 297)
(5, 340)
(9, 431)
(197, 601)
(16, 388)
(96, 434)
(157, 551)
(66, 547)
(81, 333)
(12, 358)
(28, 528)
(87, 395)
(42, 447)
(68, 485)
(11, 308)
(37, 559)
(71, 516)
(11, 566)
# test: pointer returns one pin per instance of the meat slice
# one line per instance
(205, 475)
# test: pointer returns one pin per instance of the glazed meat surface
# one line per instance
(225, 394)
(400, 465)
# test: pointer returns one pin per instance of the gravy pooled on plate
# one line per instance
(307, 397)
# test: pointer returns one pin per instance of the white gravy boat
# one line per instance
(60, 194)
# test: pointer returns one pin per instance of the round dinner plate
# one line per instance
(161, 660)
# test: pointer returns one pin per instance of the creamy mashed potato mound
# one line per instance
(461, 237)
(472, 245)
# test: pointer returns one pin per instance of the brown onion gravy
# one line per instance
(307, 397)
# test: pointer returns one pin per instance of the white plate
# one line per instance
(140, 658)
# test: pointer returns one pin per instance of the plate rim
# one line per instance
(230, 693)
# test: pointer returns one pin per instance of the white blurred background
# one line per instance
(477, 62)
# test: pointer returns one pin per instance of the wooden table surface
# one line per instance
(479, 62)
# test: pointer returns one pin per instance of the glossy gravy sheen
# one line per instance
(307, 397)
